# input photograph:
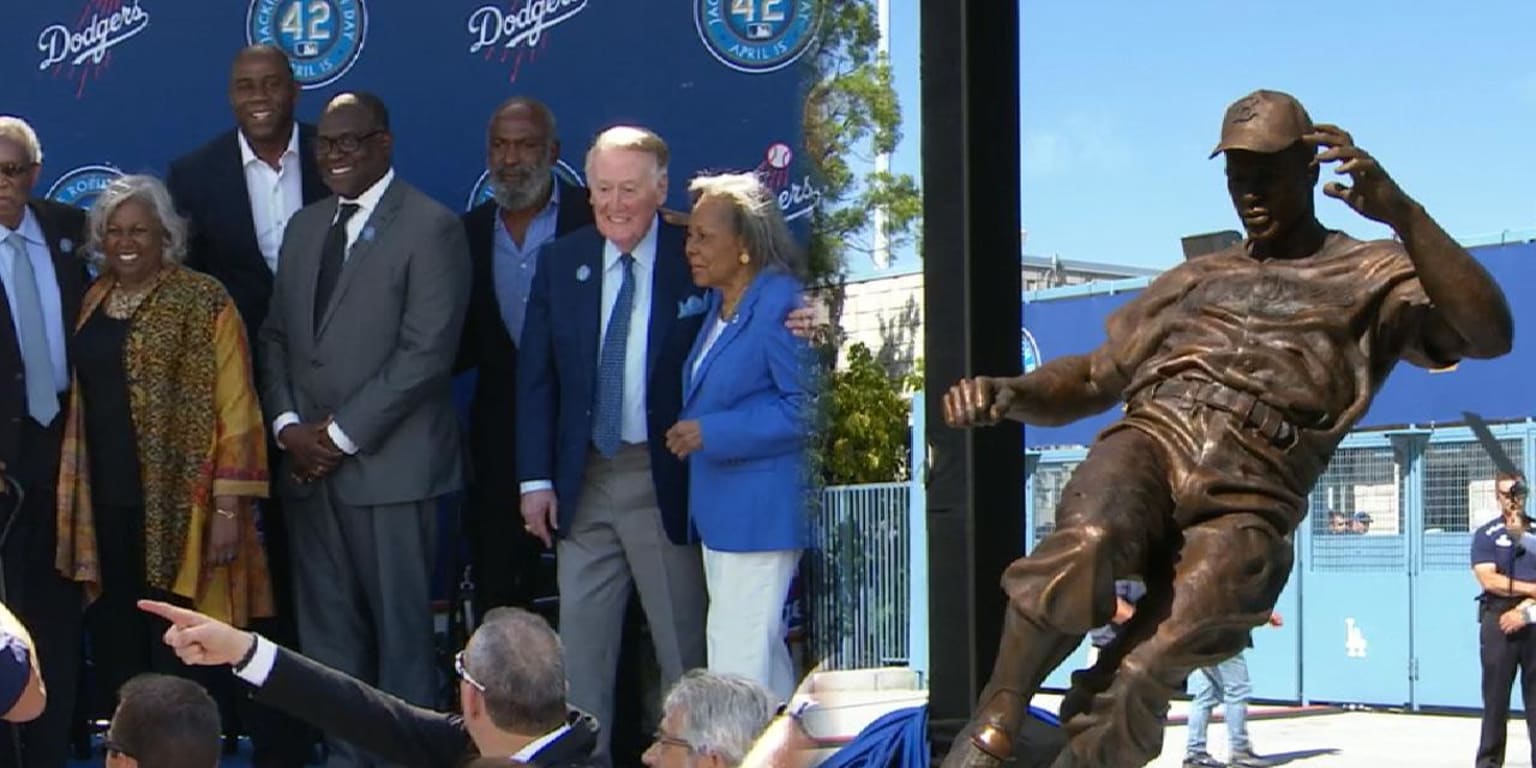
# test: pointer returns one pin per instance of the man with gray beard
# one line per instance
(531, 207)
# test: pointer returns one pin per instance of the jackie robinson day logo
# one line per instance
(80, 186)
(756, 36)
(797, 197)
(482, 191)
(323, 38)
(83, 46)
(517, 31)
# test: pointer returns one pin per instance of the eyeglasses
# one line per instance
(458, 668)
(1517, 490)
(347, 142)
(16, 170)
(662, 738)
(117, 747)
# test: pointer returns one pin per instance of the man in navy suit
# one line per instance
(530, 207)
(43, 282)
(610, 320)
(238, 192)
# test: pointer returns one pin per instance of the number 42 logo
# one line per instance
(756, 36)
(323, 38)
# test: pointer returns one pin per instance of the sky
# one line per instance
(1120, 104)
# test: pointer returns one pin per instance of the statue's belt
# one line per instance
(1263, 418)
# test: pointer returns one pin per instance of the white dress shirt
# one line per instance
(275, 194)
(632, 419)
(367, 202)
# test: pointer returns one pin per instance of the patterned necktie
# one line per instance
(36, 359)
(332, 256)
(610, 366)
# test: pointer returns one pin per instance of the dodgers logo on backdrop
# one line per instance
(796, 197)
(86, 44)
(79, 187)
(756, 35)
(1031, 350)
(482, 191)
(323, 38)
(517, 30)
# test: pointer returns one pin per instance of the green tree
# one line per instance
(866, 412)
(851, 115)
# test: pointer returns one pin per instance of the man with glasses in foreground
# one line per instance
(710, 720)
(1506, 571)
(511, 693)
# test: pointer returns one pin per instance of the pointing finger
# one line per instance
(177, 616)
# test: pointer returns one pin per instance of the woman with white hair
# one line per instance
(164, 447)
(745, 428)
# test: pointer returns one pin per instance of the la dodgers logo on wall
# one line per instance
(797, 197)
(82, 49)
(80, 186)
(1031, 350)
(756, 35)
(482, 191)
(323, 38)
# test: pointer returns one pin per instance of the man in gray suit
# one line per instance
(359, 346)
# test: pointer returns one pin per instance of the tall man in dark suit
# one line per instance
(531, 207)
(238, 191)
(43, 282)
(358, 349)
(611, 318)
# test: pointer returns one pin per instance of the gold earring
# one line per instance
(745, 259)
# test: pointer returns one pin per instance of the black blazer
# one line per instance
(59, 223)
(394, 730)
(488, 347)
(208, 185)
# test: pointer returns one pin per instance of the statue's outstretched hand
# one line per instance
(977, 402)
(1374, 194)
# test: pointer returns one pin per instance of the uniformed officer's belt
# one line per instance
(1255, 413)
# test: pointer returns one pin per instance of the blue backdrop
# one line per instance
(1496, 389)
(131, 84)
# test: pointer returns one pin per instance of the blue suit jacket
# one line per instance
(557, 368)
(748, 484)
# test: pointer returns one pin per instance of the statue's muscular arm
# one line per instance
(1066, 389)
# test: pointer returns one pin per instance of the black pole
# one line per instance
(972, 291)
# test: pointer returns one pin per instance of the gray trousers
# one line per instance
(616, 542)
(362, 578)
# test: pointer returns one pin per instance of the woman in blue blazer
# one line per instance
(745, 425)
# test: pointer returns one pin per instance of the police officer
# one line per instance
(1506, 571)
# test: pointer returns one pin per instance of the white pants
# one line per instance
(745, 629)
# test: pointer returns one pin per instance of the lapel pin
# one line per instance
(367, 233)
(582, 273)
(67, 245)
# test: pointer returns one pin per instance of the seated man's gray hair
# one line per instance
(720, 714)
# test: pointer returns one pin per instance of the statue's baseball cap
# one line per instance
(1263, 121)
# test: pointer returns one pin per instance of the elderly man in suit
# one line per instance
(44, 281)
(611, 317)
(358, 351)
(531, 206)
(238, 192)
(511, 693)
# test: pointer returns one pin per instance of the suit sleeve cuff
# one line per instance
(536, 485)
(341, 440)
(259, 667)
(280, 423)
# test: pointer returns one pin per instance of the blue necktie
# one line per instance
(42, 394)
(610, 366)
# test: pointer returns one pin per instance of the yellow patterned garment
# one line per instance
(199, 434)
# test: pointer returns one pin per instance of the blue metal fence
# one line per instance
(1382, 618)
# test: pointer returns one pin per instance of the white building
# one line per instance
(886, 312)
